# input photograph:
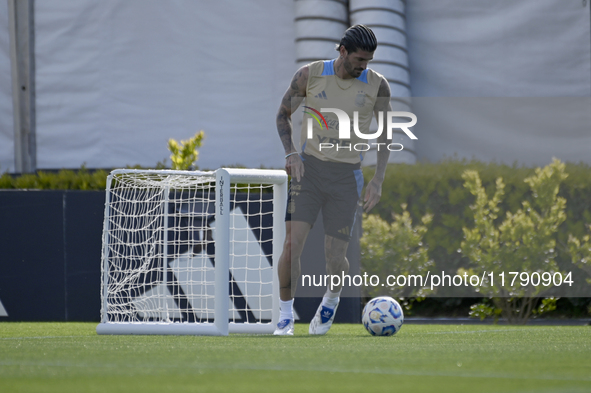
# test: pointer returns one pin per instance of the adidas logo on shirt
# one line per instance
(321, 95)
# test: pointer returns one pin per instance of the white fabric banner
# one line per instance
(116, 79)
(6, 123)
(499, 48)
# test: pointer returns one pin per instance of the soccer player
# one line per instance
(329, 178)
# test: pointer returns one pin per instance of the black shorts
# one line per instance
(331, 186)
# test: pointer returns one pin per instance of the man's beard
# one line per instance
(350, 70)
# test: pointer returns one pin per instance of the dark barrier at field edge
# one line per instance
(50, 244)
(50, 256)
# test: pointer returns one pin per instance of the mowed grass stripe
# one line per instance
(65, 357)
(147, 368)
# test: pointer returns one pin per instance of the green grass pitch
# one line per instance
(71, 357)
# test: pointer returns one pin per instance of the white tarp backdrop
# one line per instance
(116, 79)
(6, 126)
(536, 52)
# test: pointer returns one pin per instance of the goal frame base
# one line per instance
(181, 329)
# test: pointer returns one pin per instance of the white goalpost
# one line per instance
(192, 252)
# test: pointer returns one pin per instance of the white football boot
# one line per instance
(322, 321)
(284, 328)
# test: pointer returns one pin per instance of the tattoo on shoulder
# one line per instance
(298, 84)
(294, 82)
(384, 89)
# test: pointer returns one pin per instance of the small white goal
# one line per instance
(191, 252)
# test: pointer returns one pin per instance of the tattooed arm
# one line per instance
(373, 192)
(291, 100)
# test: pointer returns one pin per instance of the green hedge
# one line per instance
(438, 189)
(64, 179)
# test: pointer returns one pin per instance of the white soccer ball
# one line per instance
(382, 316)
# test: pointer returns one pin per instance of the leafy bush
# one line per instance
(523, 242)
(392, 250)
(581, 253)
(437, 189)
(185, 154)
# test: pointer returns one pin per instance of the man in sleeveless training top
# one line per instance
(326, 174)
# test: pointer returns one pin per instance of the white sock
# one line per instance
(285, 309)
(331, 299)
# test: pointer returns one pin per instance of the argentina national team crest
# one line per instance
(360, 99)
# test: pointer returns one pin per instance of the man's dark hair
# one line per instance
(358, 37)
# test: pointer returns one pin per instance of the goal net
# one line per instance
(192, 252)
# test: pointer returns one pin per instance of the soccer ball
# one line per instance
(382, 316)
